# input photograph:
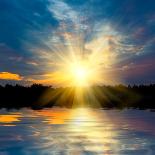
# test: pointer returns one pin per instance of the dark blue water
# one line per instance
(77, 132)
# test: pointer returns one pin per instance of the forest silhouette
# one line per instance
(38, 96)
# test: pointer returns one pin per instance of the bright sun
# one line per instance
(80, 74)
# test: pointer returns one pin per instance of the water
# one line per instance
(77, 132)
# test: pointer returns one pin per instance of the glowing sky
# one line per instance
(37, 37)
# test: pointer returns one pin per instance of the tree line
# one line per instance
(38, 96)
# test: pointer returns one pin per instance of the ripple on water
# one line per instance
(80, 131)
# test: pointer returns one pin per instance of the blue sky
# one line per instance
(32, 32)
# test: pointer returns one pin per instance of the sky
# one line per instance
(37, 36)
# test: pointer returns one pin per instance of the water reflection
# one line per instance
(78, 131)
(9, 119)
(56, 116)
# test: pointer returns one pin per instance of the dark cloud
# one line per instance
(23, 23)
(18, 17)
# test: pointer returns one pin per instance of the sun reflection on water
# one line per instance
(10, 119)
(81, 131)
(87, 125)
(82, 127)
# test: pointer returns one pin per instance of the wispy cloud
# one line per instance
(62, 11)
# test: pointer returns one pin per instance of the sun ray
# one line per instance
(81, 64)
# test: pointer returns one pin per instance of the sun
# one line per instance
(77, 73)
(80, 74)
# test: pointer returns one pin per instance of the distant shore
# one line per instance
(38, 96)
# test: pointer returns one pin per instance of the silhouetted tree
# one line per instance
(38, 96)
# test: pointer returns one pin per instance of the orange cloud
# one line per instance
(10, 76)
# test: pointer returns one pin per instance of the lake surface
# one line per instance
(77, 132)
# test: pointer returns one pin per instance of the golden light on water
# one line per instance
(9, 118)
(81, 126)
(75, 131)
